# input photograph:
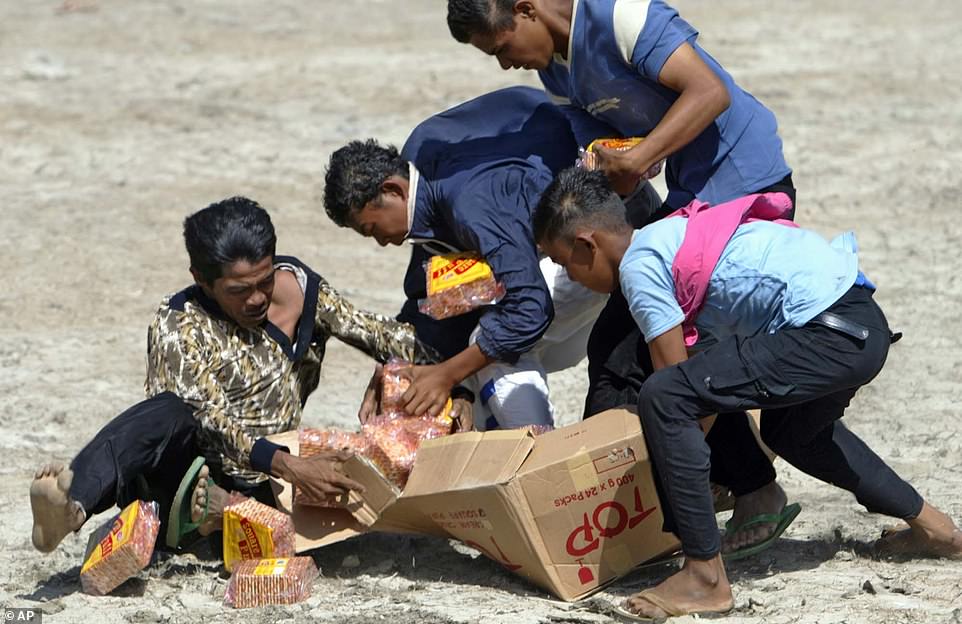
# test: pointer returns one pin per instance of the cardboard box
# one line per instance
(570, 510)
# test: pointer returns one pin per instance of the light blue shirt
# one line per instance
(769, 277)
(616, 51)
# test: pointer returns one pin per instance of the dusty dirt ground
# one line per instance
(118, 118)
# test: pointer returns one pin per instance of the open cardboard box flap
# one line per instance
(570, 510)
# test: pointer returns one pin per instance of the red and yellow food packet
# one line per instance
(458, 283)
(253, 530)
(121, 549)
(271, 581)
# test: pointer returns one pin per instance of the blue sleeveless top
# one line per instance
(616, 51)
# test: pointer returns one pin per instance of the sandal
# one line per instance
(179, 523)
(670, 609)
(781, 520)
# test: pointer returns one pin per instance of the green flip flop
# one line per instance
(780, 520)
(178, 522)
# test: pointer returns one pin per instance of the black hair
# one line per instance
(226, 232)
(575, 198)
(467, 18)
(354, 177)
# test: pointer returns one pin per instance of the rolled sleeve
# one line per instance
(493, 216)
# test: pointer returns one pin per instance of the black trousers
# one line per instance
(802, 379)
(143, 454)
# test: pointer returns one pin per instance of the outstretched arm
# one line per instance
(379, 336)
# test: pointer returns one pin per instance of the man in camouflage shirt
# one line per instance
(231, 359)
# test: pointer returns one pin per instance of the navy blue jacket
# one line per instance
(483, 166)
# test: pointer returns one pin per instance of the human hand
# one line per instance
(430, 389)
(372, 395)
(462, 413)
(621, 166)
(318, 476)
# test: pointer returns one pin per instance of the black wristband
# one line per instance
(460, 392)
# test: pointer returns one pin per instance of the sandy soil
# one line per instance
(117, 118)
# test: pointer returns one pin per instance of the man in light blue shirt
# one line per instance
(789, 327)
(760, 283)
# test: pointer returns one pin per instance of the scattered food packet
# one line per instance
(253, 530)
(121, 548)
(260, 582)
(588, 159)
(458, 283)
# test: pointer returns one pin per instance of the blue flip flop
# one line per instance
(781, 521)
(179, 523)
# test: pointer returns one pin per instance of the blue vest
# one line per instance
(738, 154)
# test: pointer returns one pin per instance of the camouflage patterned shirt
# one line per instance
(244, 384)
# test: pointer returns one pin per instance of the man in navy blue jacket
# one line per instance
(468, 179)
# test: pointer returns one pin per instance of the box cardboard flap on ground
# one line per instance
(570, 510)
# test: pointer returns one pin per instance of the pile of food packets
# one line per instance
(389, 440)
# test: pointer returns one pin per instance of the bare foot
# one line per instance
(931, 534)
(198, 500)
(55, 514)
(769, 499)
(699, 587)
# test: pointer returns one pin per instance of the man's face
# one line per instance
(526, 45)
(244, 291)
(583, 262)
(384, 219)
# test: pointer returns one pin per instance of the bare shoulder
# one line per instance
(287, 300)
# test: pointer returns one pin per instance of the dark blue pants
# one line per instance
(802, 379)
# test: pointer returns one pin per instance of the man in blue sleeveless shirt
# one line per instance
(636, 65)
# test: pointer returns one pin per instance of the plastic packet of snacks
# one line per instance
(458, 283)
(259, 582)
(588, 158)
(394, 383)
(121, 548)
(314, 441)
(253, 530)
